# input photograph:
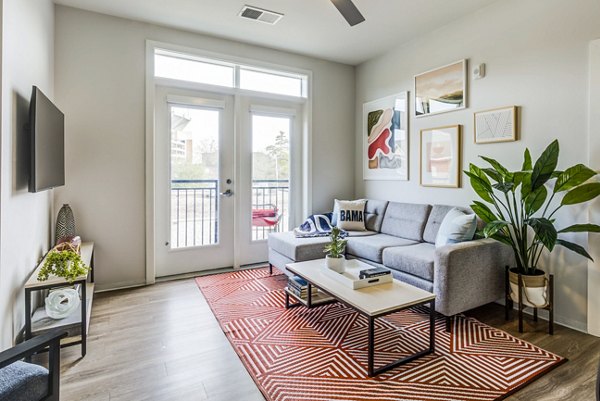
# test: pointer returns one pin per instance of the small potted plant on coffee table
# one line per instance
(335, 251)
(522, 209)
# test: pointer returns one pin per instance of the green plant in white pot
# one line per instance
(519, 210)
(335, 250)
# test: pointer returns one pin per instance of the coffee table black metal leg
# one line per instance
(371, 347)
(309, 289)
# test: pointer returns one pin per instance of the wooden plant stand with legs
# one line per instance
(509, 303)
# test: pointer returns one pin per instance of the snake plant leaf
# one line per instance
(483, 212)
(581, 228)
(493, 174)
(527, 165)
(494, 227)
(497, 166)
(575, 248)
(481, 186)
(505, 187)
(573, 177)
(536, 200)
(544, 230)
(582, 193)
(545, 166)
(526, 187)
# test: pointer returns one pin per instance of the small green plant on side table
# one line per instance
(66, 264)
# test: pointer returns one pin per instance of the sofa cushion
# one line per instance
(297, 249)
(438, 212)
(457, 226)
(372, 247)
(415, 259)
(374, 212)
(22, 381)
(405, 220)
(350, 215)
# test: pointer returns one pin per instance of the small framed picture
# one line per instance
(496, 125)
(441, 90)
(441, 156)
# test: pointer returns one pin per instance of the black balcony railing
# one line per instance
(270, 207)
(195, 210)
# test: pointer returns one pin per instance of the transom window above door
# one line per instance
(186, 67)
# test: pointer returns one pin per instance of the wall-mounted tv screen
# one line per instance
(47, 139)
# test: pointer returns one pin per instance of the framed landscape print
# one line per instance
(441, 90)
(385, 138)
(441, 156)
(497, 125)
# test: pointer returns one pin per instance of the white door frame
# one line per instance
(150, 132)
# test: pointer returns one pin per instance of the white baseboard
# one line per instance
(119, 286)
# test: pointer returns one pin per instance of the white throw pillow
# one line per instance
(350, 215)
(457, 226)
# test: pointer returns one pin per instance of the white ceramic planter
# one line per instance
(535, 290)
(335, 264)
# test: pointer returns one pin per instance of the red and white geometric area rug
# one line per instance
(321, 353)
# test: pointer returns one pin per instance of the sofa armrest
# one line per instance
(469, 274)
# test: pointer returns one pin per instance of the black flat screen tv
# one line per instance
(47, 143)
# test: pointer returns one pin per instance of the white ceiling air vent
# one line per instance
(258, 14)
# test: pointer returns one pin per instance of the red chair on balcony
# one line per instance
(268, 216)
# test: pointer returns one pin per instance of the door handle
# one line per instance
(227, 193)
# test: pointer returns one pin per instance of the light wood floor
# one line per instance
(162, 342)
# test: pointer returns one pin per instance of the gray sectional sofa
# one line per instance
(401, 237)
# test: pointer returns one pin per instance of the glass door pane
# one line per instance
(270, 174)
(194, 176)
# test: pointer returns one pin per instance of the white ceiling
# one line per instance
(311, 27)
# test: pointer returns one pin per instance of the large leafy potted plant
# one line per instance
(335, 251)
(519, 207)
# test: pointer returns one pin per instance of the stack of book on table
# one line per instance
(299, 287)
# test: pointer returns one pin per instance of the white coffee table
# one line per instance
(372, 302)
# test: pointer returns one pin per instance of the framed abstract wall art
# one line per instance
(441, 156)
(441, 90)
(497, 125)
(385, 138)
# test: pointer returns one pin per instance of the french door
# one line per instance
(270, 174)
(226, 175)
(194, 162)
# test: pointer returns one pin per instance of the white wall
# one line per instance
(100, 67)
(25, 225)
(536, 53)
(594, 155)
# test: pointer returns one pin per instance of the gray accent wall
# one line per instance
(100, 84)
(537, 57)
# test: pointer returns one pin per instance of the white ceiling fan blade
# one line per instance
(349, 11)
